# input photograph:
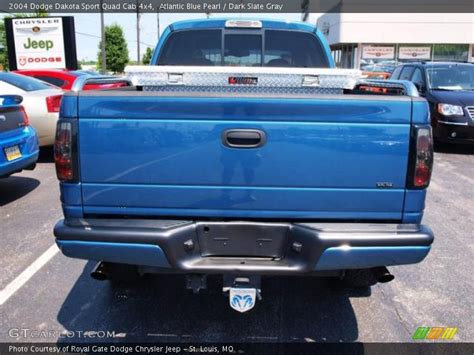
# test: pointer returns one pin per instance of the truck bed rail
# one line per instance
(84, 80)
(393, 87)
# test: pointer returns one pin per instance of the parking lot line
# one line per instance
(27, 274)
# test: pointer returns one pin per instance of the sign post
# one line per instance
(41, 43)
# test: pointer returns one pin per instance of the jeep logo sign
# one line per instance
(31, 43)
(39, 43)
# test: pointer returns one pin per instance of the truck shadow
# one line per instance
(46, 155)
(158, 308)
(15, 187)
(455, 149)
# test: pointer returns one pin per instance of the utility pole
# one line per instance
(102, 35)
(157, 27)
(138, 33)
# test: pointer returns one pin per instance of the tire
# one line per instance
(359, 278)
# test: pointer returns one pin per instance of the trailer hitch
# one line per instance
(244, 291)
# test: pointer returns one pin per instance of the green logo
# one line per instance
(435, 333)
(31, 43)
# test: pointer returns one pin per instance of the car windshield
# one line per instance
(274, 48)
(451, 77)
(24, 82)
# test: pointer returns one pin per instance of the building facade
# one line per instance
(379, 41)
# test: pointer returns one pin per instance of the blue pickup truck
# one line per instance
(18, 140)
(244, 175)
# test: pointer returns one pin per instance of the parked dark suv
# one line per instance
(449, 89)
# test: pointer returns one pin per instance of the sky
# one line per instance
(88, 29)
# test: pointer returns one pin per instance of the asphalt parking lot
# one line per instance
(61, 296)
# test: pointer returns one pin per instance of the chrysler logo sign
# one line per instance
(37, 21)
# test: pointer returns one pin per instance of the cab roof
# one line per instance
(220, 23)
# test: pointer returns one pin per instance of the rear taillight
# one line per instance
(53, 103)
(64, 152)
(423, 161)
(26, 120)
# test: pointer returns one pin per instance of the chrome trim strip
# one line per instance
(470, 111)
(454, 123)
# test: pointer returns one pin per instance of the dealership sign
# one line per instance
(414, 52)
(378, 52)
(41, 43)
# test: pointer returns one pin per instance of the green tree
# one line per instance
(146, 59)
(116, 50)
(3, 36)
(3, 47)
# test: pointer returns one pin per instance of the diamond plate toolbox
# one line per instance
(152, 77)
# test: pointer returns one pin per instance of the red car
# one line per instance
(65, 78)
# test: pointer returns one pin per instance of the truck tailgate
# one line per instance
(323, 157)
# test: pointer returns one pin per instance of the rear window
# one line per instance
(52, 80)
(243, 50)
(23, 82)
(294, 49)
(280, 49)
(192, 48)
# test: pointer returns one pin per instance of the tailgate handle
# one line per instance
(243, 138)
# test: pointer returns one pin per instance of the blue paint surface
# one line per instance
(25, 138)
(126, 253)
(324, 157)
(339, 258)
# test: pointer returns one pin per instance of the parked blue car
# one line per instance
(18, 140)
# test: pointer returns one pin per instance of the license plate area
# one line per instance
(242, 239)
(12, 153)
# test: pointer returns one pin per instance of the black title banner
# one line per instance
(238, 6)
(236, 348)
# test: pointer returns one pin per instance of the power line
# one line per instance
(87, 34)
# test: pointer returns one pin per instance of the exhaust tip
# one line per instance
(100, 276)
(99, 273)
(385, 278)
(382, 274)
